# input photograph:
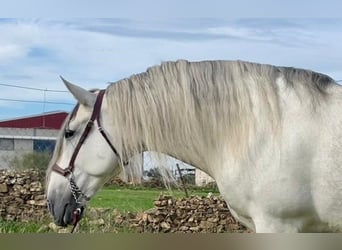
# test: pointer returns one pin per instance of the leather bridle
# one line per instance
(79, 197)
(68, 172)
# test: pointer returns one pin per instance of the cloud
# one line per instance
(281, 32)
(11, 52)
(151, 30)
(92, 52)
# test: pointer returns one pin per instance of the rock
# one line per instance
(10, 217)
(206, 225)
(183, 228)
(63, 230)
(97, 222)
(144, 217)
(39, 197)
(42, 203)
(119, 219)
(3, 188)
(164, 225)
(19, 200)
(31, 202)
(12, 209)
(213, 220)
(54, 227)
(195, 229)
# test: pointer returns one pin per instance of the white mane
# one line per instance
(195, 108)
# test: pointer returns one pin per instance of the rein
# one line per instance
(78, 195)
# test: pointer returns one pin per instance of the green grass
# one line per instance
(125, 200)
(21, 227)
(135, 200)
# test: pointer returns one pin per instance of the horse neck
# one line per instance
(163, 122)
(140, 140)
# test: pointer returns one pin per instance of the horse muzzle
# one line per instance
(65, 214)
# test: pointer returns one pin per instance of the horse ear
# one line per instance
(82, 96)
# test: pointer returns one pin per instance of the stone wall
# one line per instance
(22, 199)
(22, 195)
(188, 215)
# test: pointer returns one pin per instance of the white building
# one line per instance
(20, 136)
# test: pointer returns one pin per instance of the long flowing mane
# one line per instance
(199, 108)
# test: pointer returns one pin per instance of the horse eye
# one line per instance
(69, 133)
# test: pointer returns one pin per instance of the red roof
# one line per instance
(51, 120)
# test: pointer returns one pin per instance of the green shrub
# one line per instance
(33, 160)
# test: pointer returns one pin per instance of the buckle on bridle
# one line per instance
(68, 173)
(90, 123)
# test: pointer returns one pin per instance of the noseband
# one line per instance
(68, 172)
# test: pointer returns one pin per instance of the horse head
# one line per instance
(83, 158)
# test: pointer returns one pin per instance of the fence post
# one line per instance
(182, 180)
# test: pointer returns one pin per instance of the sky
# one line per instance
(91, 43)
